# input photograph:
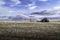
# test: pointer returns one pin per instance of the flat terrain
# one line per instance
(16, 30)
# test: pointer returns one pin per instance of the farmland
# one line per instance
(16, 30)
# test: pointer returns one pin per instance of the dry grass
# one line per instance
(36, 30)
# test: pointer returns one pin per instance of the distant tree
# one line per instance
(31, 18)
(45, 20)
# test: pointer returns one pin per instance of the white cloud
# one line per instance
(55, 9)
(5, 11)
(18, 13)
(32, 7)
(43, 0)
(2, 2)
(16, 1)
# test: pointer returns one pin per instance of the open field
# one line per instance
(16, 30)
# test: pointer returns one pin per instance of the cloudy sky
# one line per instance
(25, 7)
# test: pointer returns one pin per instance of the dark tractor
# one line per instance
(44, 20)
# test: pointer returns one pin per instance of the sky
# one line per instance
(25, 7)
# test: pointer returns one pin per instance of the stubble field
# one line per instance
(17, 30)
